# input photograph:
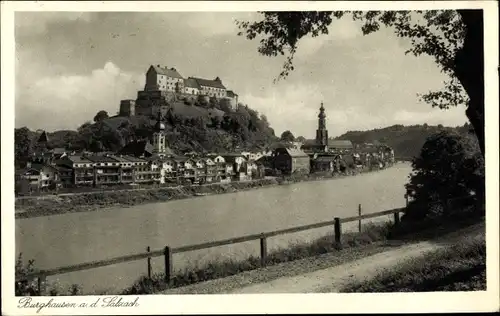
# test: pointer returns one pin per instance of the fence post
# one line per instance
(168, 263)
(396, 218)
(338, 231)
(263, 251)
(42, 284)
(149, 263)
(359, 214)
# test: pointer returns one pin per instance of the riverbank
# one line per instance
(92, 201)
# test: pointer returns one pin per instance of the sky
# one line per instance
(70, 65)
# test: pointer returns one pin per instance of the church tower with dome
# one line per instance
(322, 132)
(159, 137)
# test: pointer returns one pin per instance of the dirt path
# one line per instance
(340, 275)
(335, 278)
(330, 278)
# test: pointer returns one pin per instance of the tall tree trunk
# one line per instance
(469, 69)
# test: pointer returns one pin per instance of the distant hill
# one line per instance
(405, 140)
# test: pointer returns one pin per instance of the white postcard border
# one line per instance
(258, 303)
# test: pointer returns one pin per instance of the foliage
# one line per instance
(453, 38)
(301, 139)
(23, 145)
(24, 286)
(405, 140)
(439, 34)
(29, 287)
(461, 267)
(449, 166)
(287, 136)
(101, 115)
(213, 103)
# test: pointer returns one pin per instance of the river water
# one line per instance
(67, 239)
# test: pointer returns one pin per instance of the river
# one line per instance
(73, 238)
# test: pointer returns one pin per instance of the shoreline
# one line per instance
(48, 205)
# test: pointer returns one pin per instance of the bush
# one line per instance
(449, 166)
(461, 267)
(29, 287)
(24, 286)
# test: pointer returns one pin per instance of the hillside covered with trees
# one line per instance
(191, 126)
(407, 141)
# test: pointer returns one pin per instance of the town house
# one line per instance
(37, 176)
(140, 169)
(186, 169)
(291, 160)
(237, 161)
(83, 169)
(126, 169)
(107, 170)
(211, 170)
(168, 170)
(201, 172)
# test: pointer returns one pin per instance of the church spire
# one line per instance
(322, 117)
(321, 132)
(159, 126)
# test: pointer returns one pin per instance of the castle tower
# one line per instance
(322, 132)
(159, 137)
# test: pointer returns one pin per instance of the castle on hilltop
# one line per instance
(165, 85)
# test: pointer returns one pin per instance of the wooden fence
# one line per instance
(168, 251)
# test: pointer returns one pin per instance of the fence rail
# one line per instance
(167, 251)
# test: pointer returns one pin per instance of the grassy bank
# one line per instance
(58, 204)
(461, 267)
(92, 201)
(223, 268)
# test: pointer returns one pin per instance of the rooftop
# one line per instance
(101, 158)
(78, 159)
(191, 83)
(169, 72)
(293, 152)
(340, 144)
(209, 83)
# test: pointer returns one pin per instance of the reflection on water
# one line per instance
(73, 238)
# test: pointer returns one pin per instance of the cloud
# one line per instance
(295, 108)
(66, 101)
(338, 30)
(37, 22)
(206, 24)
(452, 117)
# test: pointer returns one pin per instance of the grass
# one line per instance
(461, 267)
(223, 268)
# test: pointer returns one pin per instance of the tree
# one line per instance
(213, 103)
(454, 38)
(287, 136)
(201, 101)
(224, 105)
(301, 139)
(264, 119)
(23, 145)
(101, 115)
(84, 126)
(449, 166)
